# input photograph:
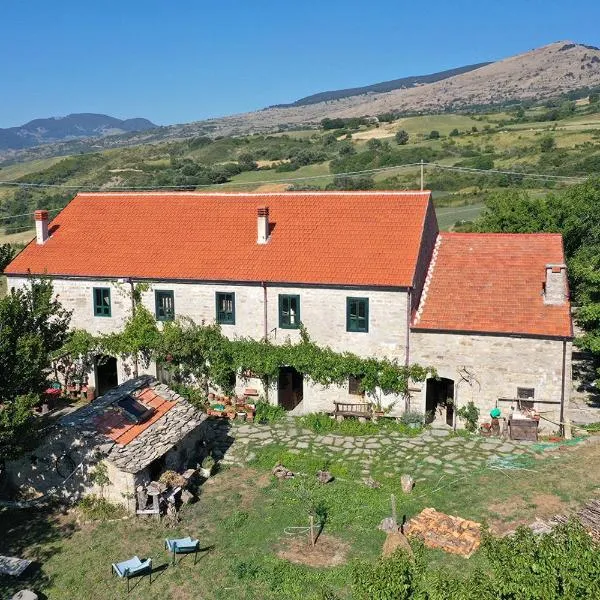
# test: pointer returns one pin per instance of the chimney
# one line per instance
(41, 226)
(555, 286)
(263, 225)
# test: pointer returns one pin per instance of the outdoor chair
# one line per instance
(182, 546)
(133, 567)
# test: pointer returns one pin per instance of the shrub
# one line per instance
(401, 137)
(412, 417)
(98, 509)
(268, 413)
(434, 135)
(470, 414)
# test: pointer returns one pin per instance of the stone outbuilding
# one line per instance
(131, 435)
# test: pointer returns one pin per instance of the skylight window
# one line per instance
(134, 410)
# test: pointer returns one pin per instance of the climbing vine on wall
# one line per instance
(203, 354)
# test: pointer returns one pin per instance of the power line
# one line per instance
(28, 214)
(541, 176)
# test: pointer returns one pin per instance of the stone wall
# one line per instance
(322, 311)
(495, 366)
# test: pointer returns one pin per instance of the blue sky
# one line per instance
(178, 61)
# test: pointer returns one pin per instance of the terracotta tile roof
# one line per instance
(113, 423)
(492, 283)
(131, 447)
(347, 238)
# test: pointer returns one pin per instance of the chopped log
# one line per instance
(408, 483)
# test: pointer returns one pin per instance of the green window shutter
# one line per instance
(165, 305)
(289, 311)
(225, 306)
(101, 299)
(357, 314)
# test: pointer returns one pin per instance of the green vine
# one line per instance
(201, 353)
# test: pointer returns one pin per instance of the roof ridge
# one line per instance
(260, 194)
(428, 278)
(499, 234)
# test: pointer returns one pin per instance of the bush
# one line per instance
(410, 417)
(401, 137)
(470, 414)
(98, 509)
(434, 135)
(268, 413)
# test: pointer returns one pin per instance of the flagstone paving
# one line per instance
(391, 451)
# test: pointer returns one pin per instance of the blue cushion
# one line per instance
(130, 567)
(186, 544)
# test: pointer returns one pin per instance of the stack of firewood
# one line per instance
(449, 533)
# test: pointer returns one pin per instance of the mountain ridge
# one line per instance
(69, 127)
(382, 87)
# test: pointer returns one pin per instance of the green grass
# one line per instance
(243, 514)
(447, 216)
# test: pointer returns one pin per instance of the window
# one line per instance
(165, 305)
(357, 314)
(289, 311)
(102, 302)
(225, 308)
(354, 386)
(525, 397)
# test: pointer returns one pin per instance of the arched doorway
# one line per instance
(439, 400)
(106, 374)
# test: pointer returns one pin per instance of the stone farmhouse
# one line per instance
(366, 272)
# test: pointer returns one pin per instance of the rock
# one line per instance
(25, 595)
(395, 540)
(370, 482)
(281, 472)
(186, 496)
(324, 476)
(408, 483)
(389, 525)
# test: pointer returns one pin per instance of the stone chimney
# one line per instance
(555, 285)
(41, 226)
(263, 225)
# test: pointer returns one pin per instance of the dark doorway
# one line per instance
(440, 394)
(106, 374)
(290, 388)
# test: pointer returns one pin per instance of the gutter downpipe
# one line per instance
(562, 389)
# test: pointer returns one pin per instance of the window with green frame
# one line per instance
(357, 314)
(289, 311)
(101, 302)
(225, 302)
(165, 305)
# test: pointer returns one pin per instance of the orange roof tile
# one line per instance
(492, 283)
(347, 238)
(121, 430)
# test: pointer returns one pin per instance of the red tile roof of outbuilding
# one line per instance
(493, 283)
(344, 238)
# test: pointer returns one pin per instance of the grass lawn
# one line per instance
(447, 216)
(244, 518)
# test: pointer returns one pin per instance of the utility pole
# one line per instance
(422, 178)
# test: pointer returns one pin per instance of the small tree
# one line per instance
(401, 137)
(547, 143)
(454, 132)
(434, 134)
(7, 253)
(470, 414)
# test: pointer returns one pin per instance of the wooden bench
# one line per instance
(345, 409)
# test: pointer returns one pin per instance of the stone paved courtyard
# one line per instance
(388, 453)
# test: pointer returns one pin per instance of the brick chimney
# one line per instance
(555, 285)
(263, 225)
(41, 226)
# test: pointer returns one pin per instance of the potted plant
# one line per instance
(207, 466)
